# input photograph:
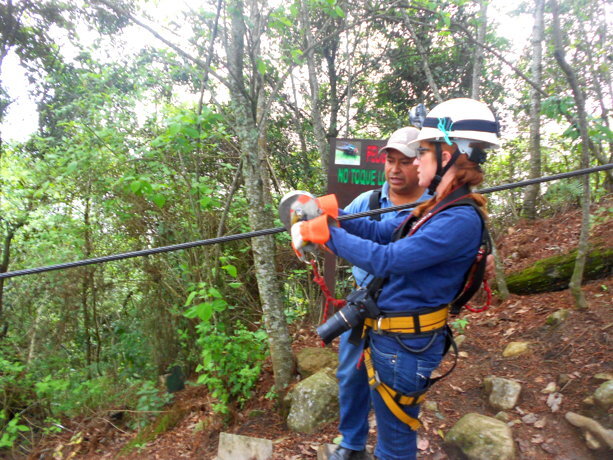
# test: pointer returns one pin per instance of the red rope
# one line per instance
(330, 299)
(488, 301)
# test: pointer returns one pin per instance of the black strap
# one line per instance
(374, 202)
(459, 197)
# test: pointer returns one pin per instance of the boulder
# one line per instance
(503, 393)
(515, 348)
(553, 273)
(313, 401)
(477, 437)
(312, 360)
(603, 396)
(233, 446)
(557, 317)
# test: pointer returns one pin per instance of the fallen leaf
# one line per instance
(458, 389)
(537, 439)
(540, 423)
(554, 400)
(423, 443)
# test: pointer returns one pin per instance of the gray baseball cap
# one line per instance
(400, 139)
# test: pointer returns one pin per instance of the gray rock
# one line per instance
(459, 340)
(563, 379)
(503, 393)
(557, 317)
(604, 376)
(602, 435)
(515, 348)
(477, 437)
(312, 360)
(430, 406)
(530, 419)
(503, 416)
(234, 446)
(314, 401)
(603, 396)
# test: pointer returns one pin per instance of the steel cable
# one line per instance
(271, 231)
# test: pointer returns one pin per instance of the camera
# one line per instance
(360, 305)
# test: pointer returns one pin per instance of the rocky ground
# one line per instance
(569, 355)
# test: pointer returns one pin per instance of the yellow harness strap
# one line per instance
(391, 397)
(414, 324)
(407, 325)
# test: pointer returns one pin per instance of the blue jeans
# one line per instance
(405, 372)
(353, 394)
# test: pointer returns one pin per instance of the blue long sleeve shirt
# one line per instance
(426, 269)
(362, 203)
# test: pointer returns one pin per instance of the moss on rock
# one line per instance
(554, 273)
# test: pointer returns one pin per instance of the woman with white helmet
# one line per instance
(421, 262)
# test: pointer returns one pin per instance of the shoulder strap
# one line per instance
(374, 202)
(474, 276)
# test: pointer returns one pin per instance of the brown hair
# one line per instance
(467, 173)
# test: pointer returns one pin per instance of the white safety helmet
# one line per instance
(462, 121)
(400, 141)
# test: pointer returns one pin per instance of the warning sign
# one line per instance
(355, 166)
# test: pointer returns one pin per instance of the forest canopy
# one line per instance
(197, 133)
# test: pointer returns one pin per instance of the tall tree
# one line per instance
(250, 115)
(531, 192)
(579, 97)
(475, 91)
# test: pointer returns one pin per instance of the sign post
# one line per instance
(355, 166)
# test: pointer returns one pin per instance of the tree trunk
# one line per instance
(571, 77)
(423, 53)
(4, 265)
(260, 205)
(532, 191)
(318, 124)
(85, 288)
(501, 282)
(478, 58)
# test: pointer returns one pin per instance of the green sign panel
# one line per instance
(355, 166)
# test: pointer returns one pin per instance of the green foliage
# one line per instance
(564, 193)
(459, 325)
(232, 359)
(150, 400)
(10, 429)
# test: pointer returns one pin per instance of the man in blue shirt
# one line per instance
(401, 187)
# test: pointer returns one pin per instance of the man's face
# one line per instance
(400, 173)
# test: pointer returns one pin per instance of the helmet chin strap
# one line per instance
(440, 169)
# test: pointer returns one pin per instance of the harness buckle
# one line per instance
(377, 381)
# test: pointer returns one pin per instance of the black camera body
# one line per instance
(360, 305)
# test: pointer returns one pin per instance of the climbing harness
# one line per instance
(426, 322)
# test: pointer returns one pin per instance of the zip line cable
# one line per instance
(271, 231)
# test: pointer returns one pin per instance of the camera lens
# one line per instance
(344, 319)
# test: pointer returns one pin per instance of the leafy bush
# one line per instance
(231, 361)
(10, 430)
